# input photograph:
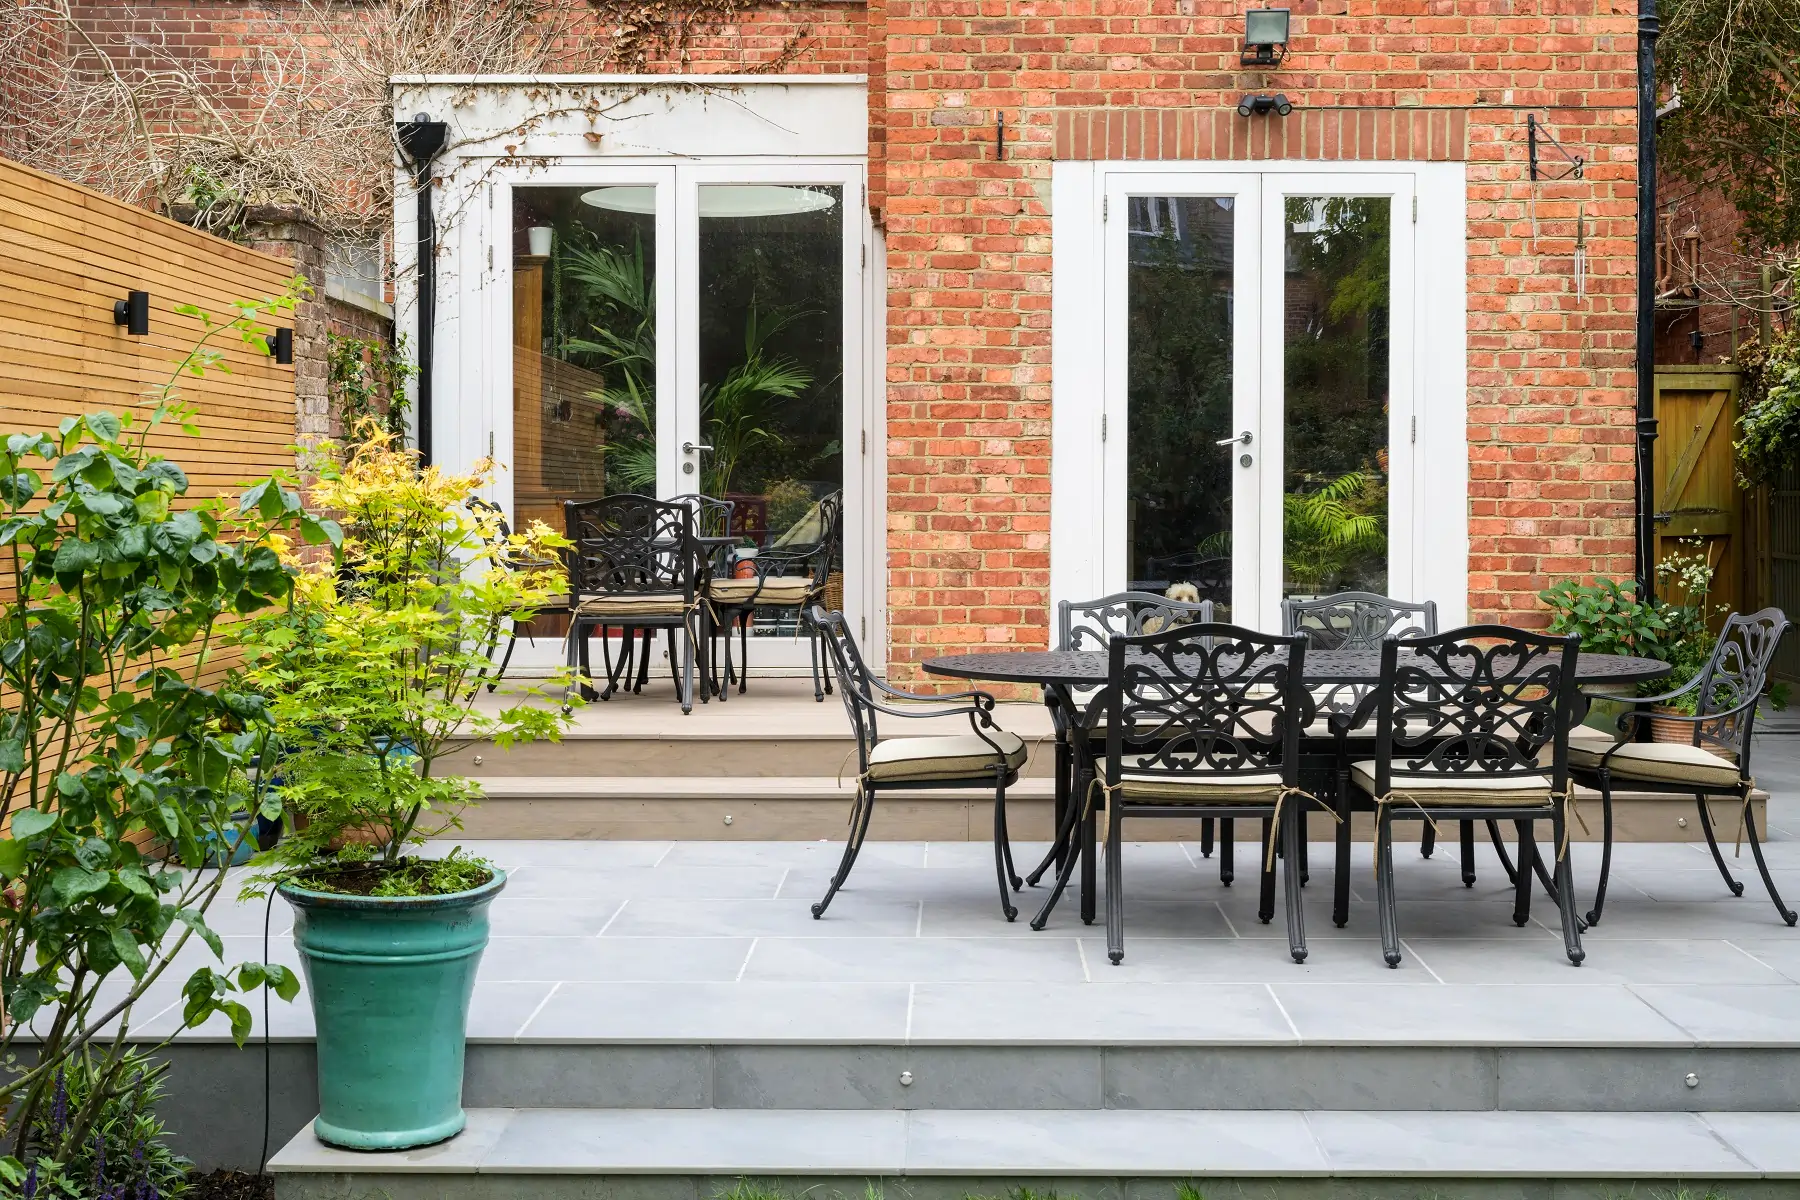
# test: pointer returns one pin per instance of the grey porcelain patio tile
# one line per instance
(1476, 917)
(746, 883)
(461, 1154)
(498, 1011)
(1706, 885)
(1608, 961)
(979, 917)
(1781, 952)
(1522, 1144)
(1080, 1014)
(1770, 1140)
(1246, 960)
(590, 855)
(1489, 1014)
(671, 917)
(1110, 1143)
(904, 960)
(724, 1013)
(571, 916)
(800, 855)
(1722, 917)
(612, 959)
(1729, 1016)
(701, 1142)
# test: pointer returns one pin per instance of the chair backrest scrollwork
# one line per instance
(629, 544)
(1092, 624)
(853, 675)
(1735, 673)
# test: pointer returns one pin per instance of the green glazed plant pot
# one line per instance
(390, 979)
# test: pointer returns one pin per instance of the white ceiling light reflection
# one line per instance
(719, 200)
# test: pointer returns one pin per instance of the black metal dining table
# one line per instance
(1062, 672)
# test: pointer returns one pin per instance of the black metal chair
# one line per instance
(1208, 573)
(1714, 761)
(786, 577)
(1462, 722)
(499, 546)
(634, 563)
(986, 756)
(1091, 625)
(1354, 621)
(1204, 720)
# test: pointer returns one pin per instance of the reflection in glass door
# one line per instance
(1335, 377)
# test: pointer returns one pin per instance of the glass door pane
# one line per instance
(585, 354)
(1336, 310)
(771, 322)
(1181, 305)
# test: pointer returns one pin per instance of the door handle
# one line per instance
(694, 448)
(1245, 437)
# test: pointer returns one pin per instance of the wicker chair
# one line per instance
(1714, 761)
(634, 563)
(986, 756)
(1463, 721)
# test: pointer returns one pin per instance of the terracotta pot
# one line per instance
(744, 568)
(1676, 732)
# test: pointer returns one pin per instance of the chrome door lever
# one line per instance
(1245, 437)
(694, 448)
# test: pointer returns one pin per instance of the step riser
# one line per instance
(927, 816)
(832, 757)
(948, 1187)
(215, 1093)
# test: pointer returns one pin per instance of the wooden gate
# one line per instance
(1698, 501)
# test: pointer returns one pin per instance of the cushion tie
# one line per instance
(1574, 810)
(1275, 819)
(1737, 849)
(1399, 798)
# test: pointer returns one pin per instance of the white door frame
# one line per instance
(1429, 541)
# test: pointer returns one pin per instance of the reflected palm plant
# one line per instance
(737, 413)
(624, 341)
(1329, 532)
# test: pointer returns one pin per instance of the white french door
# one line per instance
(696, 327)
(1257, 372)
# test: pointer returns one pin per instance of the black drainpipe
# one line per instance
(1645, 491)
(421, 140)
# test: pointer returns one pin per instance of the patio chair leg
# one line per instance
(570, 662)
(686, 683)
(1522, 885)
(1065, 835)
(1384, 885)
(1003, 850)
(1606, 840)
(1265, 891)
(1762, 867)
(1291, 872)
(812, 645)
(1427, 842)
(1340, 884)
(1466, 835)
(1090, 884)
(1206, 837)
(1565, 890)
(647, 641)
(1227, 845)
(1299, 844)
(1054, 859)
(505, 659)
(743, 652)
(584, 657)
(1115, 882)
(1506, 862)
(859, 826)
(1712, 843)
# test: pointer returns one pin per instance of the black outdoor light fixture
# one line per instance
(1278, 104)
(133, 313)
(1265, 37)
(281, 345)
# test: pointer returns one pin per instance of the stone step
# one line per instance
(617, 804)
(694, 1154)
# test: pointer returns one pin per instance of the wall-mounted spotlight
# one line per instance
(1278, 104)
(281, 345)
(133, 312)
(1265, 37)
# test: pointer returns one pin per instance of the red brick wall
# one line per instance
(1550, 379)
(1725, 272)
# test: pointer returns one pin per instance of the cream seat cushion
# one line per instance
(1201, 789)
(1658, 762)
(776, 590)
(1464, 789)
(955, 756)
(640, 604)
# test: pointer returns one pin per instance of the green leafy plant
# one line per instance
(736, 412)
(367, 381)
(1608, 616)
(125, 1153)
(1326, 532)
(1768, 428)
(372, 672)
(1686, 572)
(122, 759)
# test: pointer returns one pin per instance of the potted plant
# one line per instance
(1687, 572)
(371, 677)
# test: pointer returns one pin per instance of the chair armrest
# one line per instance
(1683, 690)
(1697, 718)
(983, 700)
